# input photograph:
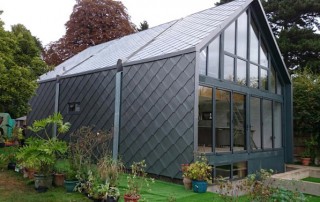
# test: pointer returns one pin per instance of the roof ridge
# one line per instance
(154, 38)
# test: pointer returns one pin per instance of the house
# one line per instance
(211, 82)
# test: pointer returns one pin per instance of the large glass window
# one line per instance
(223, 121)
(255, 123)
(242, 34)
(277, 125)
(254, 76)
(213, 58)
(264, 79)
(241, 72)
(254, 42)
(229, 38)
(239, 122)
(228, 68)
(267, 124)
(205, 119)
(272, 80)
(203, 62)
(263, 55)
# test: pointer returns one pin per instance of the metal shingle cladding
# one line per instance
(157, 114)
(163, 39)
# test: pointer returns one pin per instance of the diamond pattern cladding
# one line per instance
(95, 92)
(157, 114)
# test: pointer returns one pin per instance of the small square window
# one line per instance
(74, 107)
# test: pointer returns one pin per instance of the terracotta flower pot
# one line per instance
(305, 161)
(58, 179)
(187, 183)
(130, 198)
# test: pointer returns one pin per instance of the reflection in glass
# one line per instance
(239, 170)
(255, 123)
(229, 38)
(241, 72)
(272, 80)
(254, 43)
(254, 75)
(213, 58)
(263, 56)
(228, 68)
(279, 86)
(277, 125)
(267, 124)
(242, 35)
(223, 172)
(203, 62)
(264, 79)
(205, 119)
(222, 121)
(239, 118)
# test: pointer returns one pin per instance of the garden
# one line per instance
(50, 169)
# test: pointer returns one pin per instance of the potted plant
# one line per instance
(199, 172)
(187, 182)
(136, 181)
(310, 150)
(41, 153)
(59, 172)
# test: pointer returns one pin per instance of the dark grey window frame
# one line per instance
(75, 104)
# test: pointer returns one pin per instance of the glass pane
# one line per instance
(239, 170)
(229, 38)
(203, 62)
(228, 68)
(279, 86)
(223, 172)
(263, 56)
(222, 121)
(205, 119)
(255, 123)
(254, 43)
(241, 72)
(267, 124)
(264, 79)
(272, 80)
(242, 35)
(239, 122)
(277, 125)
(213, 58)
(254, 75)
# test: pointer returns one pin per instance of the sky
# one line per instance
(46, 18)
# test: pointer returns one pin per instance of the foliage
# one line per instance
(20, 66)
(92, 22)
(199, 170)
(87, 147)
(295, 23)
(311, 147)
(137, 179)
(259, 187)
(306, 108)
(40, 152)
(109, 170)
(143, 26)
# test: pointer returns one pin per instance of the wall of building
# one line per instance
(157, 114)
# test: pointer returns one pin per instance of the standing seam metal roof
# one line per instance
(167, 38)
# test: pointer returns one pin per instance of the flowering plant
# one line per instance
(199, 170)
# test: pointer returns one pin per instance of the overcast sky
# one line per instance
(46, 18)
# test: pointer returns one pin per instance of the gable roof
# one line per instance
(191, 32)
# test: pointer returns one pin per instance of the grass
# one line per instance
(311, 179)
(13, 187)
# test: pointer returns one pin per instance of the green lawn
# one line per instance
(13, 187)
(311, 179)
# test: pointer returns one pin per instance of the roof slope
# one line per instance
(167, 38)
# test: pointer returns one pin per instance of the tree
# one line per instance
(143, 26)
(19, 67)
(92, 22)
(295, 24)
(306, 108)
